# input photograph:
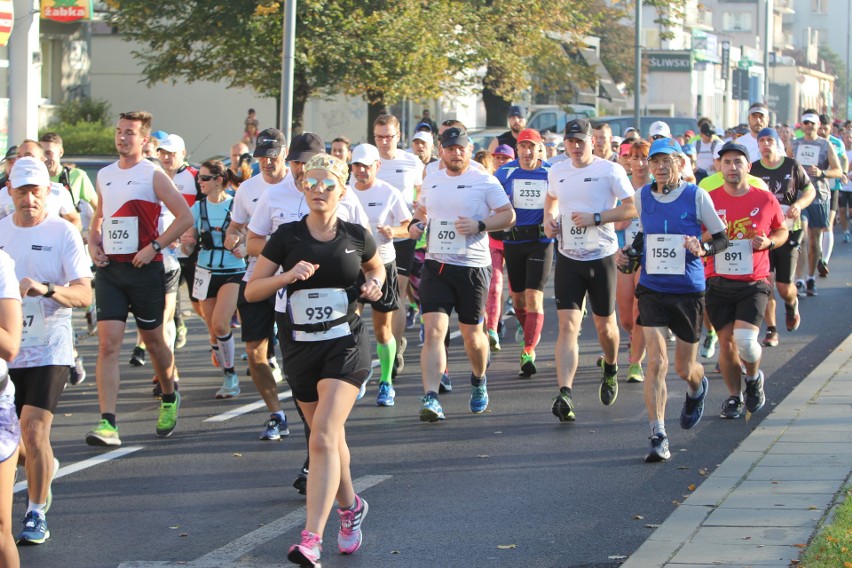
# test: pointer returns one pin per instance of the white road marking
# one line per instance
(86, 464)
(227, 556)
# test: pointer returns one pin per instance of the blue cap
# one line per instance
(423, 126)
(769, 132)
(517, 110)
(689, 149)
(665, 146)
(160, 135)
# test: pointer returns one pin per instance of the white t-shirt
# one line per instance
(52, 251)
(383, 205)
(750, 142)
(404, 172)
(592, 189)
(706, 154)
(438, 165)
(473, 194)
(8, 290)
(245, 204)
(848, 186)
(58, 201)
(557, 158)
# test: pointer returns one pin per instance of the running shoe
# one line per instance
(792, 317)
(301, 482)
(180, 335)
(478, 399)
(811, 287)
(35, 529)
(822, 268)
(104, 434)
(493, 340)
(167, 420)
(363, 390)
(235, 322)
(275, 428)
(755, 397)
(446, 384)
(693, 408)
(306, 553)
(800, 288)
(49, 500)
(563, 406)
(670, 336)
(230, 387)
(411, 316)
(732, 408)
(635, 374)
(431, 410)
(78, 372)
(349, 538)
(386, 395)
(528, 368)
(659, 449)
(771, 339)
(846, 237)
(708, 347)
(137, 359)
(609, 388)
(276, 371)
(399, 361)
(91, 319)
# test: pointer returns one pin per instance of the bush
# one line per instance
(85, 138)
(84, 110)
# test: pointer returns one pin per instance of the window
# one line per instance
(819, 6)
(737, 21)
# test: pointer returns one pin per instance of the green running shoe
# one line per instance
(167, 420)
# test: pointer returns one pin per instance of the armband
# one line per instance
(413, 222)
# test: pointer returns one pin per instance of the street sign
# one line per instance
(662, 60)
(66, 11)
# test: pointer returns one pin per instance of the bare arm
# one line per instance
(624, 211)
(78, 293)
(96, 250)
(11, 322)
(255, 243)
(551, 216)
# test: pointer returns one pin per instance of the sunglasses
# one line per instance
(808, 122)
(206, 178)
(327, 183)
(657, 137)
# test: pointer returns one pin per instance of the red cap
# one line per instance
(529, 135)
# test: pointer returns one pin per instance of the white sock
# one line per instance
(695, 393)
(827, 244)
(657, 427)
(36, 507)
(226, 351)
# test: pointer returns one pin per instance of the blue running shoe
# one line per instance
(431, 410)
(478, 399)
(446, 384)
(386, 395)
(693, 408)
(275, 428)
(35, 529)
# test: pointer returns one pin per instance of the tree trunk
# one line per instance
(375, 107)
(496, 107)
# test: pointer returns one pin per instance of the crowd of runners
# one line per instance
(658, 237)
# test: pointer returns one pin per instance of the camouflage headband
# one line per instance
(332, 165)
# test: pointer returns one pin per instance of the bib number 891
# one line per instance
(733, 256)
(319, 313)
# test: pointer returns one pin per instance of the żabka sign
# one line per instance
(7, 19)
(66, 11)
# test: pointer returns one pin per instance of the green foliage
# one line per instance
(85, 110)
(832, 547)
(836, 65)
(86, 138)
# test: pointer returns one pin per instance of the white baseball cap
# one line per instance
(423, 135)
(660, 128)
(365, 154)
(172, 143)
(29, 171)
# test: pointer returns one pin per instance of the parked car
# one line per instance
(619, 124)
(553, 119)
(482, 137)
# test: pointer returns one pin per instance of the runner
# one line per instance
(502, 155)
(529, 254)
(602, 135)
(219, 272)
(671, 285)
(54, 275)
(462, 203)
(325, 346)
(758, 119)
(388, 217)
(126, 251)
(581, 208)
(517, 121)
(827, 244)
(738, 280)
(794, 191)
(10, 343)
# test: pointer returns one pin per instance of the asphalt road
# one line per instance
(512, 487)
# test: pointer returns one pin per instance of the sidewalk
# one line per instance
(775, 489)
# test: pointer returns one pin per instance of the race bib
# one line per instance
(631, 231)
(201, 283)
(529, 193)
(736, 259)
(578, 238)
(34, 332)
(445, 239)
(665, 254)
(121, 235)
(317, 306)
(807, 155)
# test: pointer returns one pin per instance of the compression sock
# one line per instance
(521, 314)
(532, 330)
(387, 354)
(226, 351)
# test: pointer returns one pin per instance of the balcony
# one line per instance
(701, 19)
(783, 40)
(784, 7)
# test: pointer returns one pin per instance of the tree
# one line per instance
(836, 65)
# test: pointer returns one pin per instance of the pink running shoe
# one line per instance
(306, 553)
(349, 537)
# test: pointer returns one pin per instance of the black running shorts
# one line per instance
(447, 286)
(389, 301)
(681, 313)
(575, 278)
(404, 256)
(731, 300)
(783, 259)
(39, 387)
(528, 265)
(121, 288)
(256, 318)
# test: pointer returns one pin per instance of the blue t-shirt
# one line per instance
(526, 190)
(218, 217)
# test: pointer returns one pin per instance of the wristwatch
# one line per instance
(708, 247)
(597, 219)
(156, 246)
(771, 244)
(482, 226)
(50, 289)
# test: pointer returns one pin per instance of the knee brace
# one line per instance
(748, 345)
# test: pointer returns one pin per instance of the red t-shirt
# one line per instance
(755, 213)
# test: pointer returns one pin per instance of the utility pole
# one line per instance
(637, 78)
(288, 50)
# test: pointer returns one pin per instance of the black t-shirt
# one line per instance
(339, 259)
(785, 181)
(509, 140)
